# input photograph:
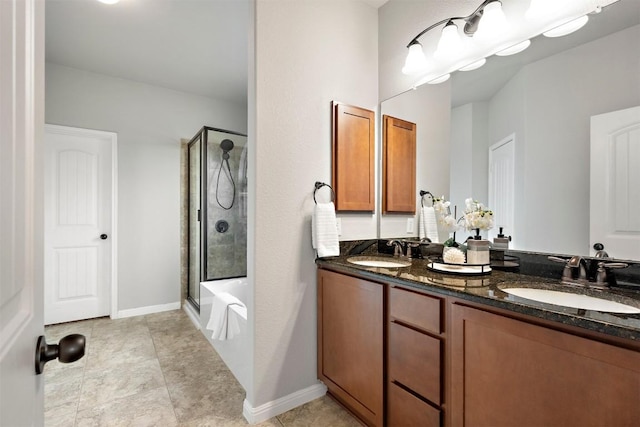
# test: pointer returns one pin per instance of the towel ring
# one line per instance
(318, 185)
(424, 193)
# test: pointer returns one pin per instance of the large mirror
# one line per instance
(539, 113)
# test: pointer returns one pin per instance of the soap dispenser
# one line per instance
(501, 242)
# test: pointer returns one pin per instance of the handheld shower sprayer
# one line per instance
(226, 145)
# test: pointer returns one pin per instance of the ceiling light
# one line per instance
(540, 10)
(416, 61)
(516, 48)
(450, 44)
(567, 28)
(474, 65)
(109, 1)
(440, 79)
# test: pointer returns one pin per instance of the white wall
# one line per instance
(427, 107)
(149, 121)
(308, 53)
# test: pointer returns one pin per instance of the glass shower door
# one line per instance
(193, 292)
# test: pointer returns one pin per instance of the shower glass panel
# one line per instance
(226, 205)
(217, 208)
(193, 292)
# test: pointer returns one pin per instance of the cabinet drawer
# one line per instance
(414, 361)
(404, 409)
(415, 309)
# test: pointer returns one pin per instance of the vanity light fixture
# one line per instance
(488, 18)
(439, 80)
(516, 48)
(474, 65)
(567, 28)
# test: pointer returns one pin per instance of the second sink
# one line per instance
(567, 299)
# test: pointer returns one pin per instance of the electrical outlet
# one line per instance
(409, 225)
(339, 226)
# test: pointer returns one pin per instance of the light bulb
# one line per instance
(493, 22)
(516, 48)
(474, 65)
(440, 79)
(450, 44)
(416, 61)
(542, 10)
(567, 28)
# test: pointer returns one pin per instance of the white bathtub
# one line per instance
(235, 351)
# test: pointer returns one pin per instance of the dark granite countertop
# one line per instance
(486, 289)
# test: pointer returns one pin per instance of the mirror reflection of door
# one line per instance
(615, 182)
(501, 186)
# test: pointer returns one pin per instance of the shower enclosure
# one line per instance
(217, 208)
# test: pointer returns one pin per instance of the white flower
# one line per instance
(476, 216)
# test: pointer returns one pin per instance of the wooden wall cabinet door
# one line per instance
(508, 372)
(350, 343)
(353, 166)
(398, 166)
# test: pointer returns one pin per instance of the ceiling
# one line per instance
(194, 46)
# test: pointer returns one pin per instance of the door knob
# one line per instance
(103, 236)
(69, 349)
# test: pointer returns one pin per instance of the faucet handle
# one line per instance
(557, 259)
(601, 275)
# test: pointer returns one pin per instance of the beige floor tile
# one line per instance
(224, 422)
(61, 416)
(191, 366)
(322, 412)
(221, 397)
(62, 393)
(130, 348)
(56, 372)
(151, 408)
(120, 381)
(54, 333)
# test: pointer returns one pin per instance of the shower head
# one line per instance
(226, 145)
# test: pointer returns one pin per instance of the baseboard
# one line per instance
(140, 311)
(279, 406)
(192, 313)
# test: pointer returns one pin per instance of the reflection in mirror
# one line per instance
(540, 106)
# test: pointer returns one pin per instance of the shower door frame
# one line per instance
(202, 135)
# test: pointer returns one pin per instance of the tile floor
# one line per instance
(155, 370)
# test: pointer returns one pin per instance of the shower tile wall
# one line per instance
(226, 251)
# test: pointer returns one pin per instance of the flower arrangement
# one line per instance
(443, 210)
(477, 216)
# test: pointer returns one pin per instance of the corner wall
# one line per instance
(308, 53)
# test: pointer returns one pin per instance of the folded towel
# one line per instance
(427, 224)
(224, 327)
(324, 230)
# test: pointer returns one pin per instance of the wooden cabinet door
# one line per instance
(353, 158)
(350, 342)
(398, 166)
(507, 372)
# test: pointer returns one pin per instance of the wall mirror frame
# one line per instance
(559, 84)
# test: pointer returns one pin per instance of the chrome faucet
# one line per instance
(602, 279)
(577, 262)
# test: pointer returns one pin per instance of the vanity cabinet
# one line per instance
(507, 372)
(415, 355)
(351, 343)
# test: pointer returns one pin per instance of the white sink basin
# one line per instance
(567, 299)
(385, 262)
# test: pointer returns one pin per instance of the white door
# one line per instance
(78, 223)
(615, 183)
(21, 122)
(501, 186)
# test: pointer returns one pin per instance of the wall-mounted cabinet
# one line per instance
(353, 163)
(398, 166)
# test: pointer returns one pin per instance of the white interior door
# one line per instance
(78, 223)
(21, 122)
(615, 182)
(501, 185)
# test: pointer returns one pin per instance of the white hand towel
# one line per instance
(219, 321)
(324, 230)
(428, 226)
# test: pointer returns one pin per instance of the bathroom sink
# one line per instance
(567, 299)
(374, 261)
